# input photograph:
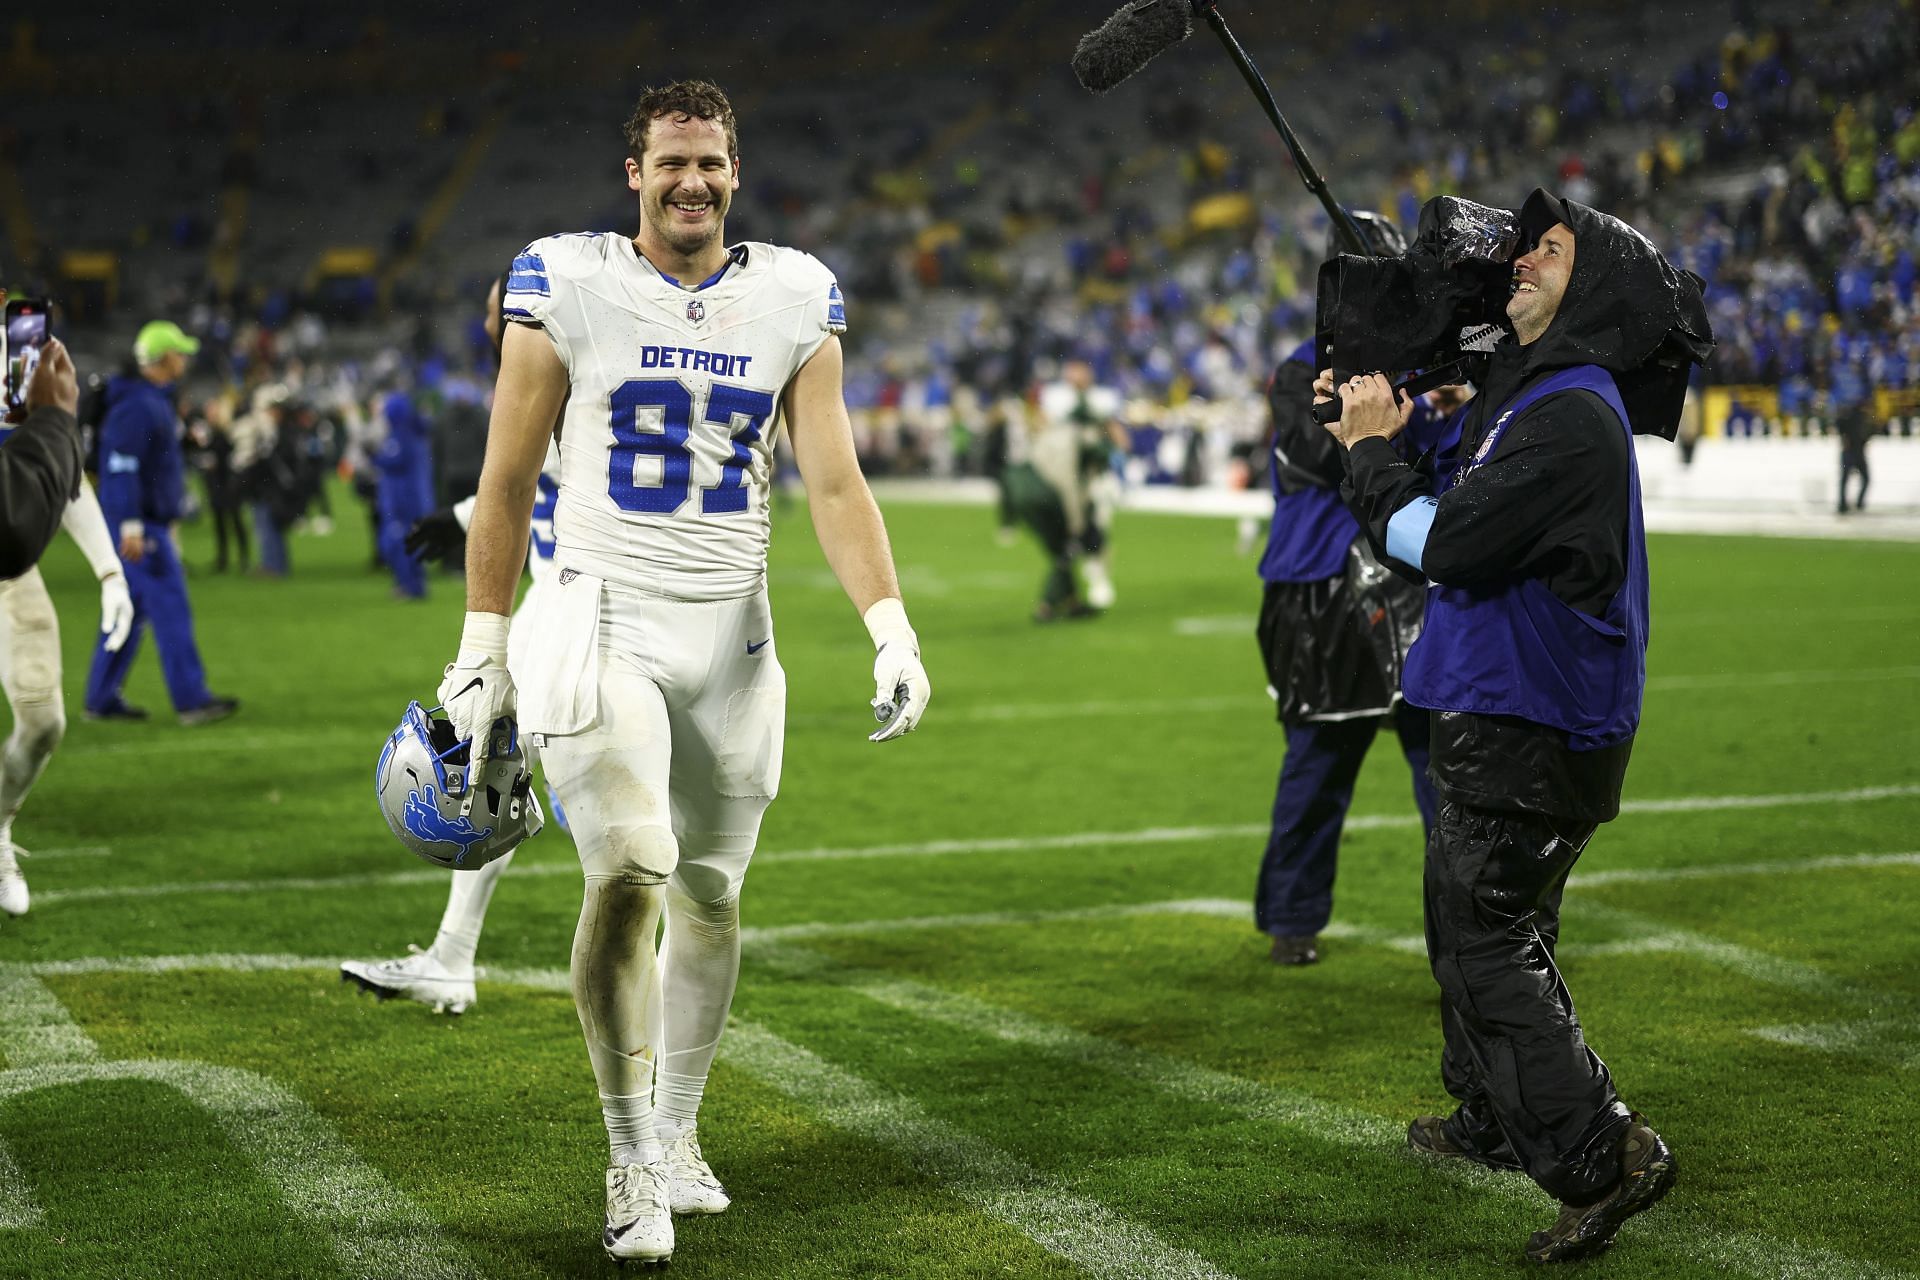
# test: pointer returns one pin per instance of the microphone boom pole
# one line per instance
(1343, 223)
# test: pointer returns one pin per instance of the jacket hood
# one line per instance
(1626, 309)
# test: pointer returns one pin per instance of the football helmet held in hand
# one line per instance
(423, 782)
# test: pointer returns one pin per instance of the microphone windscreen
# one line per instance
(1139, 32)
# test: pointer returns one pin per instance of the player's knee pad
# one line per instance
(630, 852)
(713, 867)
(715, 921)
(38, 726)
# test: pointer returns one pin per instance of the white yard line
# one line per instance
(18, 1212)
(35, 1028)
(1646, 935)
(1049, 1212)
(958, 711)
(1002, 1187)
(990, 919)
(376, 1232)
(1836, 862)
(72, 851)
(1084, 1231)
(1895, 1041)
(1081, 840)
(1276, 1104)
(1240, 625)
(1753, 679)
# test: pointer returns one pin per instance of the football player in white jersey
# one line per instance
(650, 676)
(30, 666)
(442, 976)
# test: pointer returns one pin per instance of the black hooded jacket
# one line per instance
(1550, 502)
(39, 475)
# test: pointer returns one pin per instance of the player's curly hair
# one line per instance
(699, 99)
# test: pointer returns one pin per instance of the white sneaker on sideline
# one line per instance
(695, 1189)
(418, 976)
(13, 885)
(639, 1227)
(1100, 592)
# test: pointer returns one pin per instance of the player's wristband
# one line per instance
(887, 620)
(484, 636)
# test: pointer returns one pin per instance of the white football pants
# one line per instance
(30, 674)
(665, 790)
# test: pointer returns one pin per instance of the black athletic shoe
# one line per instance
(217, 709)
(1428, 1134)
(1647, 1173)
(1304, 950)
(117, 711)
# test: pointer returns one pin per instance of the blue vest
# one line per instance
(1518, 649)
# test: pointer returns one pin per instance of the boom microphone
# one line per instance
(1135, 35)
(1144, 29)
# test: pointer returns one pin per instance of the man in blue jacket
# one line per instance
(1533, 662)
(405, 463)
(142, 487)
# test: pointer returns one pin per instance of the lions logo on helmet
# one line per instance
(422, 782)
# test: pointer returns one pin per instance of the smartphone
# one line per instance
(26, 320)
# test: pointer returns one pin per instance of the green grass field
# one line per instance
(1004, 1012)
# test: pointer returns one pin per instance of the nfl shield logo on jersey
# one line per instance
(696, 310)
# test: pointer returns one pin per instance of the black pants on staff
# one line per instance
(1853, 462)
(1515, 1057)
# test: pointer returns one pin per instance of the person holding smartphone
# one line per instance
(41, 487)
(41, 465)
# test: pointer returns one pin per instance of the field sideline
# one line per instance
(1003, 1010)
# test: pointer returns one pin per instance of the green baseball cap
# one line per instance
(158, 338)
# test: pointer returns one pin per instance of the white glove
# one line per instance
(900, 685)
(116, 611)
(477, 690)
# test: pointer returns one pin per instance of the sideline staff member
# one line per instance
(1533, 661)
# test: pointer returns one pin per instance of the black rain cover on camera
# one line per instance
(1403, 313)
(1626, 309)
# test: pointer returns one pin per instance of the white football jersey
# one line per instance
(667, 445)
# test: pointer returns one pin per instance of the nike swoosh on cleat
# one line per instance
(755, 648)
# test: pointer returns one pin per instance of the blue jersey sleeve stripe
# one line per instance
(529, 262)
(1407, 530)
(519, 313)
(529, 284)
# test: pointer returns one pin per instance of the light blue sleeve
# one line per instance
(1407, 530)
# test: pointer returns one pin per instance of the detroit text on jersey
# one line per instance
(667, 440)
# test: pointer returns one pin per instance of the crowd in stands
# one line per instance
(1779, 160)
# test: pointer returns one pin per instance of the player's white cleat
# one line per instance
(13, 885)
(695, 1189)
(639, 1226)
(417, 976)
(1100, 592)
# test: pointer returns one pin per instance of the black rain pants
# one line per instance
(1515, 1057)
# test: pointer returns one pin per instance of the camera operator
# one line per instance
(40, 466)
(1533, 663)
